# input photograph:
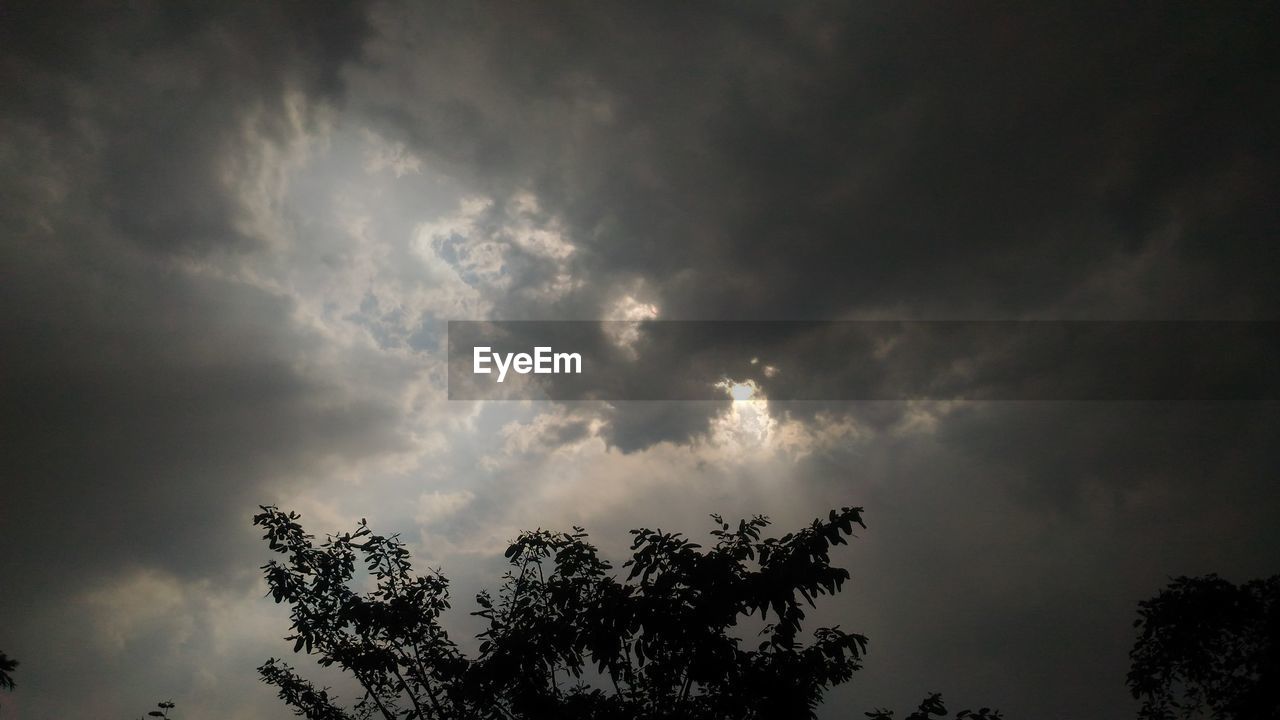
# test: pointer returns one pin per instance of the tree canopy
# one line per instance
(565, 637)
(7, 666)
(1209, 648)
(664, 636)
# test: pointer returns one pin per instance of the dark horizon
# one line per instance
(233, 235)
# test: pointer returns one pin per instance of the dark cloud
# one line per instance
(983, 162)
(1009, 548)
(139, 114)
(141, 405)
(147, 403)
(718, 161)
(879, 161)
(787, 163)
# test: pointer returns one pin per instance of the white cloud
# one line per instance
(436, 506)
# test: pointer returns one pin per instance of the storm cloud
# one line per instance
(231, 236)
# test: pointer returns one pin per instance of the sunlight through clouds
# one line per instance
(232, 236)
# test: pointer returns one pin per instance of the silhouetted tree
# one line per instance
(162, 710)
(1208, 648)
(933, 707)
(7, 666)
(565, 638)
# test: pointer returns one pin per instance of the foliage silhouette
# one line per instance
(1208, 648)
(7, 666)
(162, 710)
(565, 637)
(932, 707)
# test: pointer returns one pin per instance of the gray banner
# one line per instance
(864, 360)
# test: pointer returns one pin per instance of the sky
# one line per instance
(232, 234)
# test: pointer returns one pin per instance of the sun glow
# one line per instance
(747, 422)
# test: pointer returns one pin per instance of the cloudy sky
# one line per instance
(231, 236)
